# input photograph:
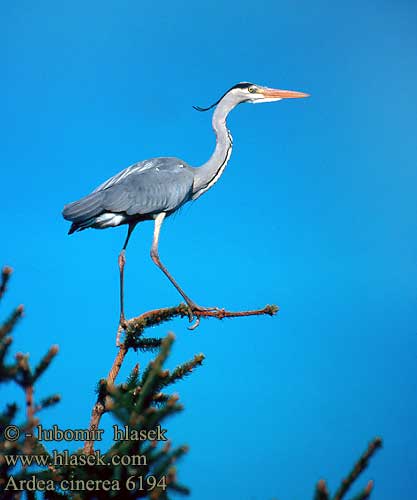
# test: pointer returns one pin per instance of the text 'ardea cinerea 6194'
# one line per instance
(156, 188)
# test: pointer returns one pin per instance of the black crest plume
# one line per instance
(241, 85)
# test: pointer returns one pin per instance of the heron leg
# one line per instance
(159, 219)
(122, 262)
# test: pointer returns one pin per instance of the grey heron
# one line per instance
(156, 188)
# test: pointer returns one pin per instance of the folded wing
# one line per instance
(159, 185)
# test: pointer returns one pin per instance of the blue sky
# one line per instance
(316, 212)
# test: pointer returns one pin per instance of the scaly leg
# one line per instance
(122, 262)
(155, 257)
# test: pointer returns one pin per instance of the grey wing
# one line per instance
(149, 187)
(135, 168)
(163, 188)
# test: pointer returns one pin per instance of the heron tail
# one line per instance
(83, 212)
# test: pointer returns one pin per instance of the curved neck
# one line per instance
(210, 172)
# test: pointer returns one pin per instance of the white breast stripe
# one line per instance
(218, 174)
(220, 171)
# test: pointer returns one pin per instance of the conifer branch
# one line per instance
(5, 343)
(9, 324)
(133, 378)
(23, 376)
(157, 415)
(321, 491)
(47, 402)
(186, 368)
(5, 276)
(117, 364)
(138, 404)
(31, 422)
(99, 407)
(171, 459)
(358, 468)
(151, 381)
(160, 398)
(45, 362)
(136, 326)
(30, 409)
(148, 344)
(366, 492)
(134, 329)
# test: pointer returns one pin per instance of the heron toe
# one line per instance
(193, 308)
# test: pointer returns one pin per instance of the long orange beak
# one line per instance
(282, 94)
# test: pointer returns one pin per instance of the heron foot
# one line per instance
(193, 308)
(122, 321)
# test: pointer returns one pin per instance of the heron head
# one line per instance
(250, 92)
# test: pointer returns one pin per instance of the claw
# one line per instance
(195, 325)
(192, 308)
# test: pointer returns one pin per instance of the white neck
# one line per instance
(208, 174)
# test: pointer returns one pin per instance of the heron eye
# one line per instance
(252, 90)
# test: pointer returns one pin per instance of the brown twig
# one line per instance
(26, 382)
(30, 409)
(99, 407)
(222, 313)
(182, 310)
(30, 416)
(366, 492)
(136, 326)
(358, 468)
(321, 491)
(9, 324)
(5, 276)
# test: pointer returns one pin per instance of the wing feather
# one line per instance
(83, 209)
(135, 168)
(146, 188)
(150, 191)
